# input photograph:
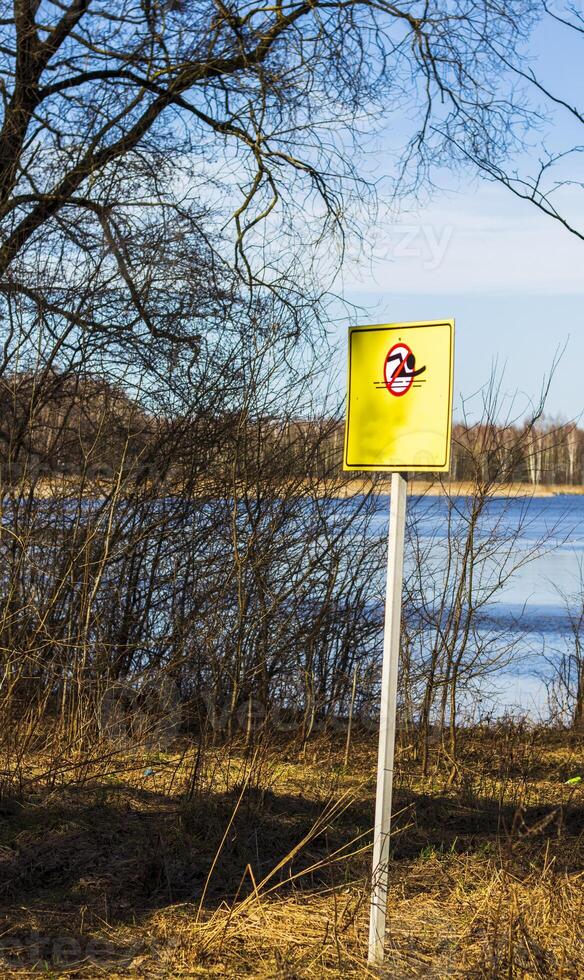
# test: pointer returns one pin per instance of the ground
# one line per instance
(254, 862)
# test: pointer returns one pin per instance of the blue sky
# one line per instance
(511, 276)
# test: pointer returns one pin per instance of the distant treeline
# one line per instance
(65, 424)
(546, 452)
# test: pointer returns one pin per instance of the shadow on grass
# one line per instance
(100, 859)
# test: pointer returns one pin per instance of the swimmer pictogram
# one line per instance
(399, 370)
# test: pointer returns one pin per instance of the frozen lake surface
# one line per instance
(534, 605)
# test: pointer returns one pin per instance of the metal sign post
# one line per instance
(387, 722)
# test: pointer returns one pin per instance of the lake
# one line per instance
(533, 608)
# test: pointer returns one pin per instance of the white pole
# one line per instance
(387, 721)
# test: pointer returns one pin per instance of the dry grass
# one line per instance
(263, 871)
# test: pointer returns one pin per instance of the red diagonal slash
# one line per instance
(389, 383)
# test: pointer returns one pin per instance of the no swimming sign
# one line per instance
(399, 399)
(399, 411)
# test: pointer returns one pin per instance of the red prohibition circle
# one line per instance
(389, 382)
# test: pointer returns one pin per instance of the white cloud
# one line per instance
(487, 241)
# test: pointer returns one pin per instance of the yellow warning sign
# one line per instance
(399, 399)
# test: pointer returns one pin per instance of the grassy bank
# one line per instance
(464, 488)
(256, 863)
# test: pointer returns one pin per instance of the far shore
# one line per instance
(67, 487)
(462, 488)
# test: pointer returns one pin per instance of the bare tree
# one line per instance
(145, 127)
(554, 163)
